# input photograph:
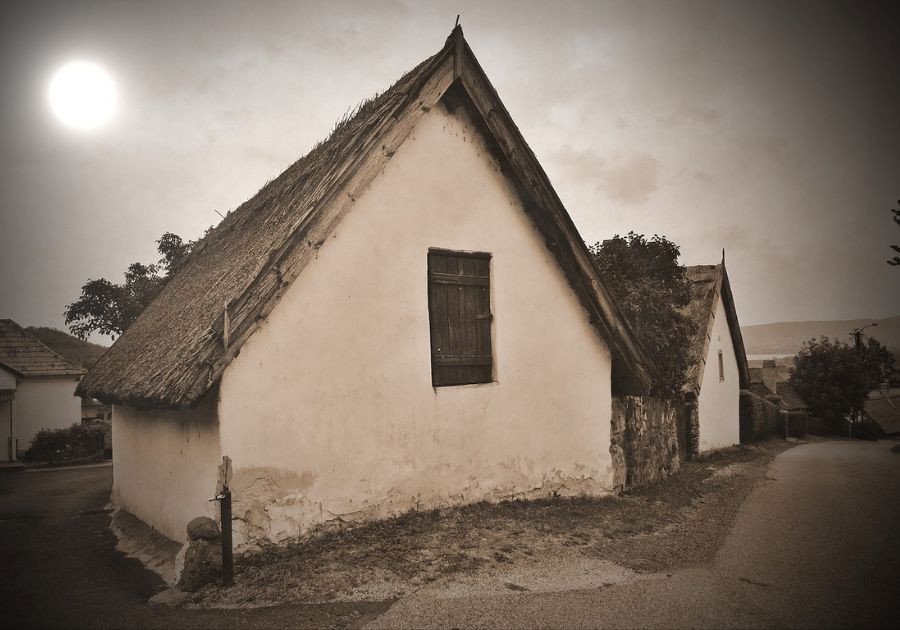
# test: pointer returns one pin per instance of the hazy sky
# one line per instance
(769, 129)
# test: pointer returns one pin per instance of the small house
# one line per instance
(771, 382)
(405, 318)
(37, 390)
(718, 368)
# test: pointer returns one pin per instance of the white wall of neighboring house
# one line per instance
(44, 403)
(7, 431)
(719, 400)
(329, 411)
(7, 380)
(165, 465)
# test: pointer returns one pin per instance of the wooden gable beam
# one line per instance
(550, 217)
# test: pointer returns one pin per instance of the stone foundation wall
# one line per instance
(759, 418)
(644, 440)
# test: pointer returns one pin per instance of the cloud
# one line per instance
(629, 180)
(632, 180)
(690, 115)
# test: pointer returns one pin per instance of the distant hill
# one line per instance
(73, 349)
(787, 337)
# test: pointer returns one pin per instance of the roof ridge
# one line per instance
(184, 340)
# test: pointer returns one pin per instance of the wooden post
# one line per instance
(224, 498)
(227, 552)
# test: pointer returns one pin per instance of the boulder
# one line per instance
(203, 528)
(202, 565)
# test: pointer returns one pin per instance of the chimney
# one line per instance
(770, 375)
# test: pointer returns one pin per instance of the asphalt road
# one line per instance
(817, 546)
(61, 570)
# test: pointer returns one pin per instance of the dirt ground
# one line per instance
(679, 522)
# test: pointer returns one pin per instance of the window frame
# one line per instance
(458, 366)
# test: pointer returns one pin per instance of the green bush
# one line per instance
(79, 441)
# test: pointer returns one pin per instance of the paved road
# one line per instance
(818, 546)
(61, 570)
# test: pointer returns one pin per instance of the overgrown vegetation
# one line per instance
(78, 442)
(651, 288)
(109, 309)
(834, 378)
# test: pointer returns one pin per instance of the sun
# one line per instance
(82, 95)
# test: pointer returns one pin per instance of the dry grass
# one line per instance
(678, 522)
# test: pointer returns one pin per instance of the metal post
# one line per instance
(227, 552)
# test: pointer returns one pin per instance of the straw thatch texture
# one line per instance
(26, 356)
(169, 355)
(699, 309)
(709, 283)
(178, 348)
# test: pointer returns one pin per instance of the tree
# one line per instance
(651, 289)
(834, 378)
(109, 309)
(896, 259)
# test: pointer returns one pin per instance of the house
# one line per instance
(883, 407)
(771, 383)
(37, 390)
(718, 364)
(406, 317)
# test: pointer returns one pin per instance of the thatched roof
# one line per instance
(25, 356)
(178, 348)
(709, 284)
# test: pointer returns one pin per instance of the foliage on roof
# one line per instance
(26, 356)
(176, 351)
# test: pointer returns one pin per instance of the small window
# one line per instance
(459, 312)
(721, 367)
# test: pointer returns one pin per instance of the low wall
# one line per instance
(643, 441)
(759, 418)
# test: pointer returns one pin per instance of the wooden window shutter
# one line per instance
(459, 311)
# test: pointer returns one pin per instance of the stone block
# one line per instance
(202, 565)
(203, 528)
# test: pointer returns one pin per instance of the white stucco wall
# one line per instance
(44, 403)
(7, 447)
(165, 465)
(329, 411)
(7, 433)
(7, 379)
(718, 403)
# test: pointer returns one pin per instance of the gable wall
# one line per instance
(165, 465)
(329, 412)
(718, 403)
